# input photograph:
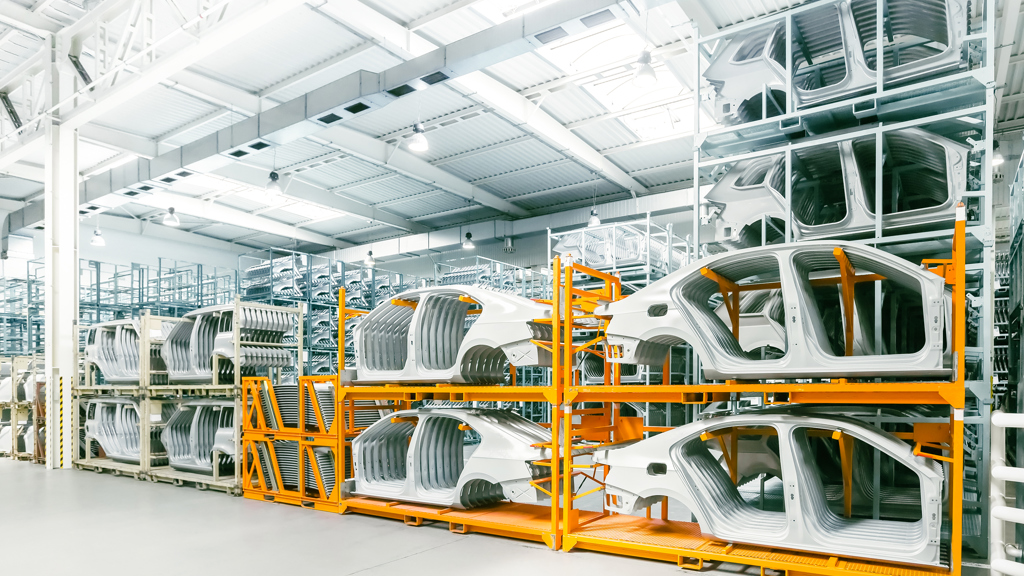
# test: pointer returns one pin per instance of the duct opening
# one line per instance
(819, 55)
(384, 336)
(383, 453)
(913, 172)
(913, 31)
(887, 534)
(903, 324)
(719, 463)
(440, 330)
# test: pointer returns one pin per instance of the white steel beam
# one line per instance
(324, 68)
(211, 211)
(396, 158)
(695, 10)
(297, 188)
(215, 39)
(14, 16)
(506, 102)
(117, 140)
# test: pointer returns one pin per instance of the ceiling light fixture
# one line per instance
(644, 77)
(468, 242)
(998, 159)
(370, 261)
(274, 185)
(418, 142)
(594, 220)
(97, 238)
(171, 219)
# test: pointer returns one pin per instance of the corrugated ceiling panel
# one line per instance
(571, 105)
(454, 25)
(294, 152)
(606, 134)
(345, 171)
(427, 203)
(735, 11)
(298, 40)
(374, 59)
(512, 157)
(240, 202)
(389, 189)
(372, 234)
(90, 155)
(558, 175)
(337, 226)
(482, 129)
(525, 71)
(548, 202)
(405, 11)
(223, 120)
(475, 214)
(157, 111)
(224, 231)
(657, 154)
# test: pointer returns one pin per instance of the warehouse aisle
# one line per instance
(119, 526)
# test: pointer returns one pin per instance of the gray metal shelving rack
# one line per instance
(639, 252)
(958, 105)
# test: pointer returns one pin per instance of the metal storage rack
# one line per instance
(172, 288)
(956, 103)
(681, 541)
(155, 398)
(286, 277)
(263, 427)
(19, 413)
(175, 287)
(484, 272)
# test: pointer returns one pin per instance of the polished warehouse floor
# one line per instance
(83, 523)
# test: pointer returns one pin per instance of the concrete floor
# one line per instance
(114, 526)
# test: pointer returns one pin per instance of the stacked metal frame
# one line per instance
(178, 404)
(290, 441)
(798, 105)
(817, 458)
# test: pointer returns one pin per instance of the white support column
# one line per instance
(61, 263)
